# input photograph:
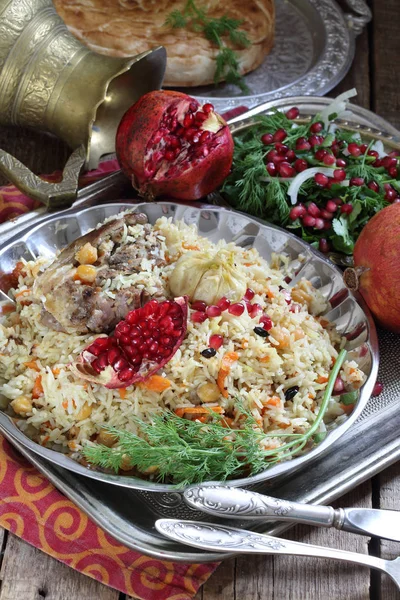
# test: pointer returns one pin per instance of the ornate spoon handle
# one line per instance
(224, 539)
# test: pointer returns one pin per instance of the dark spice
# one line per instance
(291, 392)
(209, 352)
(261, 331)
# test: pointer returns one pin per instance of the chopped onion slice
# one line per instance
(337, 107)
(298, 181)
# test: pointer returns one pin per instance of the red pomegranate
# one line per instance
(141, 344)
(376, 272)
(170, 145)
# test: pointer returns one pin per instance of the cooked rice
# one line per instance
(299, 351)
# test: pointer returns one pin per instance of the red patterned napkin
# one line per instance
(33, 509)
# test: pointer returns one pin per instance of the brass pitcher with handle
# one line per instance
(51, 82)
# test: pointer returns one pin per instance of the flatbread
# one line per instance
(129, 27)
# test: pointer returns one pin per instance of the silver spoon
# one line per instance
(237, 503)
(219, 538)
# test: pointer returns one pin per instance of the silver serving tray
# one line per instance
(352, 318)
(313, 50)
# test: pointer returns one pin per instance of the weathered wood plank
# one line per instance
(389, 483)
(29, 574)
(385, 59)
(221, 584)
(298, 578)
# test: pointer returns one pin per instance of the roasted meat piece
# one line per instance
(77, 303)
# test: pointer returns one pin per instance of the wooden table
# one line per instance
(28, 574)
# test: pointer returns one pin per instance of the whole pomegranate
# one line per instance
(376, 272)
(170, 145)
(141, 344)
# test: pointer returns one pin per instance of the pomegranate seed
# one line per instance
(281, 148)
(373, 186)
(199, 305)
(316, 127)
(113, 355)
(323, 245)
(357, 181)
(198, 317)
(329, 160)
(373, 153)
(271, 168)
(254, 310)
(200, 117)
(394, 153)
(207, 108)
(169, 155)
(271, 155)
(390, 193)
(393, 172)
(337, 201)
(188, 120)
(321, 179)
(205, 136)
(378, 389)
(327, 225)
(308, 221)
(216, 341)
(346, 209)
(224, 303)
(278, 159)
(319, 224)
(321, 153)
(267, 138)
(297, 211)
(354, 149)
(315, 140)
(338, 386)
(249, 295)
(377, 164)
(193, 106)
(279, 135)
(339, 174)
(126, 374)
(293, 113)
(266, 322)
(313, 209)
(290, 155)
(326, 214)
(303, 144)
(340, 162)
(389, 161)
(331, 206)
(286, 170)
(363, 148)
(236, 309)
(300, 165)
(213, 311)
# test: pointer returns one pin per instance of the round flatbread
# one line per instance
(129, 27)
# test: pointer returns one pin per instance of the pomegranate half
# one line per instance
(140, 345)
(376, 272)
(170, 145)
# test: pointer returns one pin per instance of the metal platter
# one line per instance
(313, 50)
(349, 314)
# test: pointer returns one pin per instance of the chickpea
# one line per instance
(86, 273)
(208, 392)
(86, 255)
(84, 412)
(22, 405)
(106, 438)
(126, 464)
(281, 336)
(300, 296)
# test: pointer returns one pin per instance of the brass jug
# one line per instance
(51, 82)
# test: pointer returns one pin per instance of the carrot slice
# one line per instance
(122, 393)
(227, 361)
(32, 364)
(37, 388)
(156, 383)
(322, 379)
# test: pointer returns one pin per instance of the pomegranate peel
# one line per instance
(376, 273)
(140, 345)
(169, 145)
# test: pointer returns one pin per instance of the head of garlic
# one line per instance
(208, 276)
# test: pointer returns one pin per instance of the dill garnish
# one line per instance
(187, 452)
(215, 30)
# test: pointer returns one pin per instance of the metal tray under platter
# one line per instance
(313, 50)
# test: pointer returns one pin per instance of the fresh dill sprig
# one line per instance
(187, 452)
(215, 30)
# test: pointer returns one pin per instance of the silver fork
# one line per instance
(220, 538)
